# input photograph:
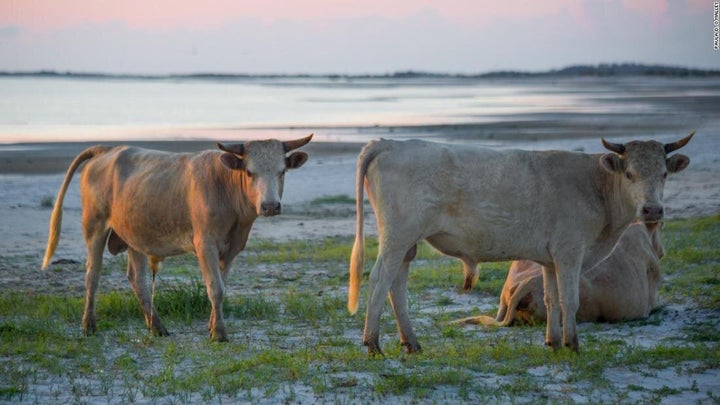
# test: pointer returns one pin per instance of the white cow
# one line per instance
(624, 286)
(564, 210)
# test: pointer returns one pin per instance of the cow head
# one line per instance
(264, 164)
(644, 167)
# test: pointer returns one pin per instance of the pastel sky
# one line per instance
(350, 36)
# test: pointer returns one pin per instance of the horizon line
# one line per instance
(601, 69)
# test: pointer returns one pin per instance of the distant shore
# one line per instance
(599, 70)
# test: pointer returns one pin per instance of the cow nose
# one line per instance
(652, 213)
(268, 209)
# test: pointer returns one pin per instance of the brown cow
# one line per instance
(624, 286)
(564, 210)
(157, 204)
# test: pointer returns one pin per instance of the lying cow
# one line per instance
(156, 204)
(624, 286)
(564, 210)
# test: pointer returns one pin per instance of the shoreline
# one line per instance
(555, 132)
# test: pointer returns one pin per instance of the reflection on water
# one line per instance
(38, 109)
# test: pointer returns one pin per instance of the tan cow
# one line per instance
(564, 210)
(156, 204)
(624, 286)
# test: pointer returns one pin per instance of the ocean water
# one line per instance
(34, 109)
(52, 109)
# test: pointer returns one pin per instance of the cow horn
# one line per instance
(671, 147)
(291, 145)
(237, 148)
(615, 147)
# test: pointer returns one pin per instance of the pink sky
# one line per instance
(350, 35)
(41, 15)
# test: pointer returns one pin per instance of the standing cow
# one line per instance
(564, 210)
(156, 204)
(624, 286)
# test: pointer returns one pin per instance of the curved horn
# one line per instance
(615, 147)
(671, 147)
(237, 148)
(290, 145)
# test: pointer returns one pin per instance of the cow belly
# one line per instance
(484, 245)
(155, 242)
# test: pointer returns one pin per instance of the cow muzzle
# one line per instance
(269, 209)
(652, 213)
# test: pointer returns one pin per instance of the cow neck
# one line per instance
(246, 212)
(619, 208)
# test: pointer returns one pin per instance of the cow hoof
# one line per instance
(373, 349)
(375, 352)
(89, 329)
(411, 348)
(160, 332)
(555, 346)
(219, 337)
(574, 347)
(373, 345)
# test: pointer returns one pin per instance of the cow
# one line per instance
(157, 204)
(622, 287)
(564, 210)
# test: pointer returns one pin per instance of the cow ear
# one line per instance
(612, 163)
(232, 161)
(677, 163)
(296, 160)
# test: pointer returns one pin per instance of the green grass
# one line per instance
(291, 334)
(692, 261)
(334, 199)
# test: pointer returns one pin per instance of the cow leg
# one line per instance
(471, 274)
(399, 302)
(237, 244)
(502, 311)
(137, 275)
(383, 275)
(210, 267)
(95, 239)
(552, 305)
(568, 279)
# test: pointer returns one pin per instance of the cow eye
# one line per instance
(665, 175)
(629, 175)
(250, 174)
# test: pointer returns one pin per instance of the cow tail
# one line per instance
(515, 298)
(357, 257)
(56, 216)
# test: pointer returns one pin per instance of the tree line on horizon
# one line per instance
(600, 70)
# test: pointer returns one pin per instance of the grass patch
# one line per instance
(334, 199)
(692, 261)
(293, 341)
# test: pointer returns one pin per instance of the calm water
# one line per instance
(63, 109)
